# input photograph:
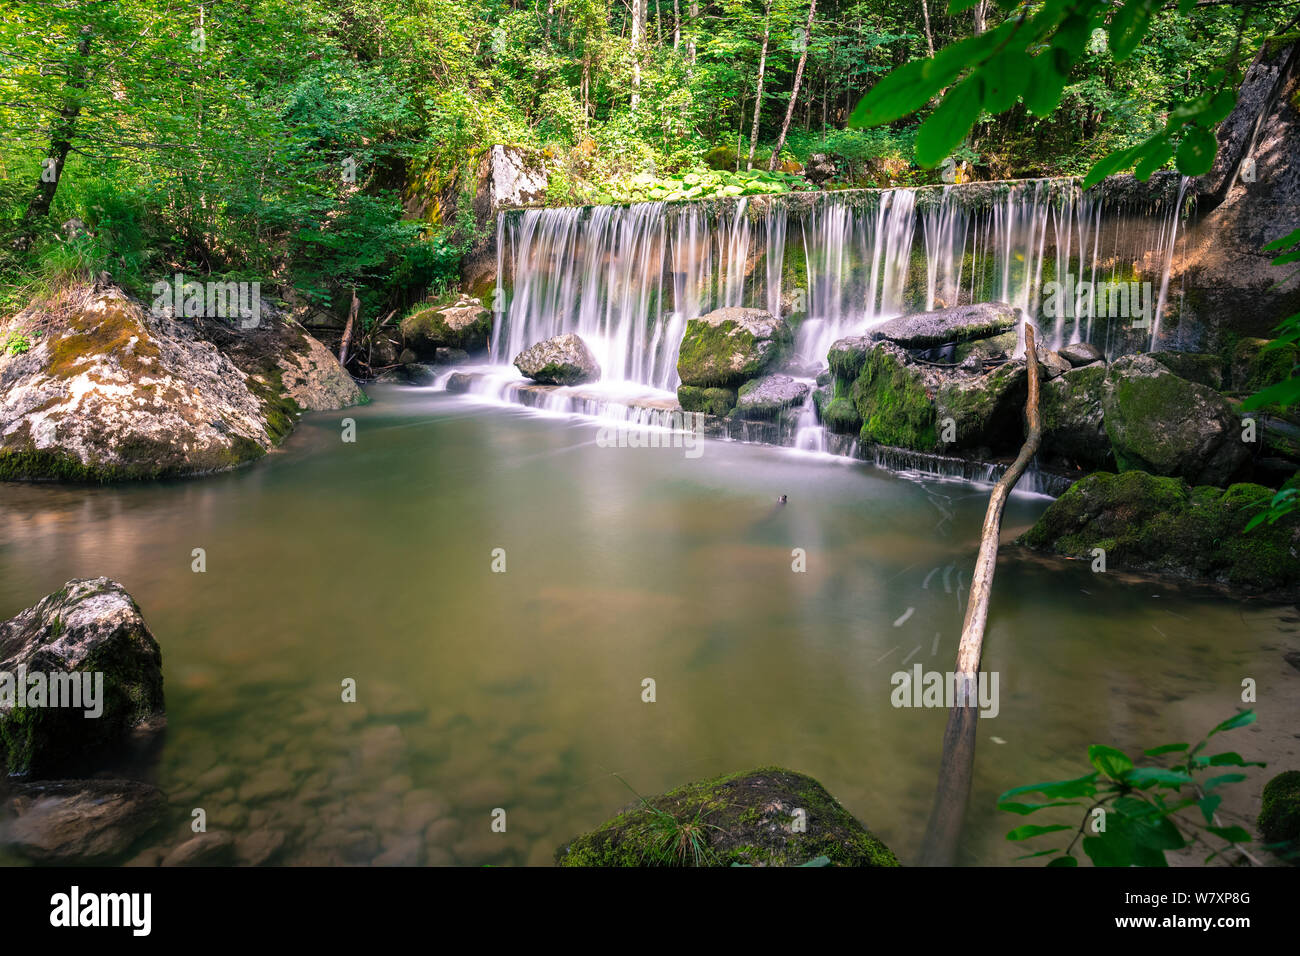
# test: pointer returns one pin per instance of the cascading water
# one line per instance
(628, 278)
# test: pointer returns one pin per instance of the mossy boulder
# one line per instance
(963, 323)
(1279, 812)
(464, 324)
(562, 360)
(1199, 367)
(1254, 366)
(711, 401)
(727, 347)
(1073, 423)
(88, 627)
(1153, 523)
(1161, 423)
(748, 818)
(893, 400)
(988, 410)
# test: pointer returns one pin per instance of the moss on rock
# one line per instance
(1152, 523)
(728, 347)
(711, 401)
(743, 818)
(892, 401)
(1279, 811)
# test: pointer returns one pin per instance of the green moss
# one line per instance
(1279, 810)
(892, 403)
(1203, 368)
(1255, 366)
(1145, 522)
(114, 331)
(841, 416)
(726, 354)
(711, 401)
(746, 818)
(1135, 421)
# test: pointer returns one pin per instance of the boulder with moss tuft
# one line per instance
(728, 347)
(1146, 522)
(766, 817)
(1279, 813)
(464, 324)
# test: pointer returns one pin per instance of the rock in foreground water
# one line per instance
(89, 644)
(78, 821)
(766, 817)
(562, 360)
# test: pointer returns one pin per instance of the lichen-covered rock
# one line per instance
(88, 627)
(1073, 424)
(562, 360)
(1145, 522)
(962, 323)
(994, 348)
(465, 325)
(729, 346)
(1279, 811)
(745, 818)
(711, 401)
(78, 821)
(765, 398)
(1161, 423)
(107, 392)
(1081, 353)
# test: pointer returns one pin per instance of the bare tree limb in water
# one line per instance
(953, 790)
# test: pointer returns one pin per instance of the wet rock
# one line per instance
(450, 357)
(765, 398)
(93, 629)
(1081, 353)
(205, 849)
(256, 849)
(1165, 425)
(465, 325)
(1149, 523)
(1196, 367)
(750, 820)
(562, 360)
(1053, 364)
(961, 323)
(1073, 424)
(730, 346)
(79, 821)
(710, 401)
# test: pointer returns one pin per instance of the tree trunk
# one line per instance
(981, 16)
(677, 24)
(638, 24)
(758, 99)
(794, 94)
(955, 766)
(61, 134)
(929, 37)
(690, 39)
(347, 329)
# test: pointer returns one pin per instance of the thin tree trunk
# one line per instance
(955, 766)
(758, 101)
(981, 16)
(690, 39)
(677, 24)
(929, 37)
(347, 329)
(638, 24)
(794, 94)
(61, 135)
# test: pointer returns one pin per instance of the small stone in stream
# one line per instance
(255, 849)
(205, 849)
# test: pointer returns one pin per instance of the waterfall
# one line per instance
(628, 278)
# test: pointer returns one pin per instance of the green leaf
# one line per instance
(1128, 27)
(1231, 834)
(1064, 861)
(1113, 763)
(1109, 165)
(1208, 805)
(1196, 152)
(1243, 719)
(948, 125)
(1228, 759)
(1154, 160)
(903, 91)
(1166, 749)
(1046, 84)
(1149, 775)
(1033, 830)
(1006, 76)
(1284, 242)
(1024, 809)
(1064, 789)
(1283, 393)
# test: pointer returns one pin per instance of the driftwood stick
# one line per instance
(955, 767)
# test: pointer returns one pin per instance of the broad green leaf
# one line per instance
(1208, 805)
(1153, 161)
(1024, 809)
(1142, 776)
(903, 91)
(1166, 749)
(1112, 848)
(1046, 84)
(1128, 26)
(1283, 393)
(1064, 861)
(1284, 242)
(1243, 719)
(1109, 165)
(1231, 834)
(948, 125)
(1084, 786)
(1195, 154)
(1033, 830)
(1113, 763)
(1006, 76)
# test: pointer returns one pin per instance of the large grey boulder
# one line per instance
(730, 346)
(91, 647)
(562, 360)
(962, 323)
(464, 325)
(1165, 425)
(767, 397)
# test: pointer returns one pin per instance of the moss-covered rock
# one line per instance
(1254, 366)
(88, 629)
(711, 401)
(841, 416)
(464, 324)
(1279, 812)
(988, 410)
(1203, 368)
(1152, 523)
(728, 347)
(963, 323)
(1161, 423)
(1073, 424)
(893, 401)
(745, 818)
